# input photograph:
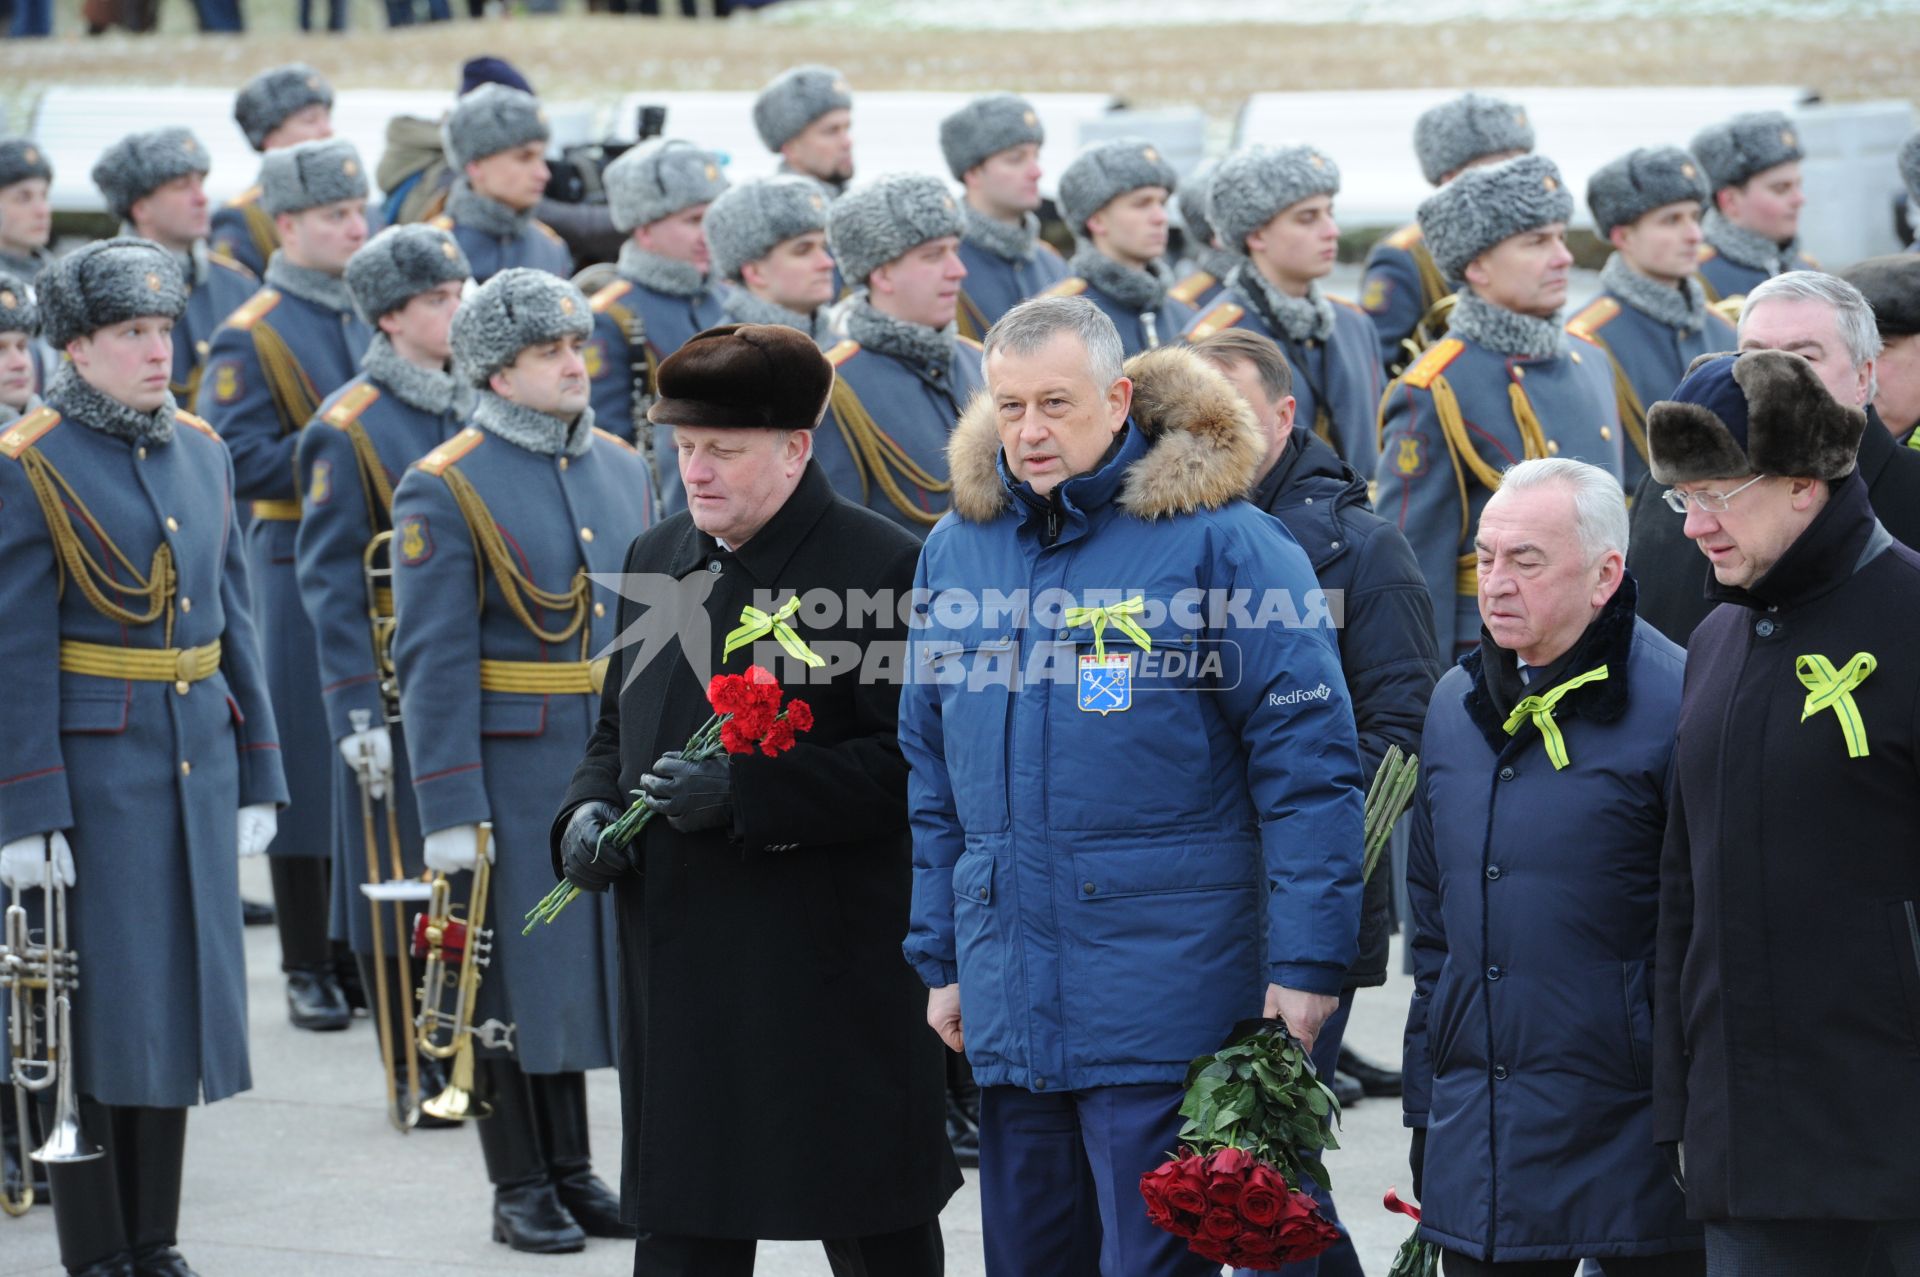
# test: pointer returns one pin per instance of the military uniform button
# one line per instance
(182, 687)
(563, 463)
(186, 768)
(186, 604)
(1606, 432)
(140, 454)
(1553, 447)
(599, 609)
(1519, 374)
(586, 534)
(1576, 355)
(173, 524)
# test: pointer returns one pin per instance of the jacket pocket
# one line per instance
(980, 946)
(512, 714)
(1639, 1019)
(104, 715)
(975, 688)
(1903, 920)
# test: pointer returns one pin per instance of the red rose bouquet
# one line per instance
(1257, 1120)
(747, 716)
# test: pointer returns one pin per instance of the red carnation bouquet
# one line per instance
(1258, 1118)
(748, 716)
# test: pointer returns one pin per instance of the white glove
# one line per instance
(370, 753)
(454, 850)
(258, 824)
(23, 862)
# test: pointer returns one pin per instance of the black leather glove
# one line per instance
(580, 844)
(1417, 1160)
(693, 796)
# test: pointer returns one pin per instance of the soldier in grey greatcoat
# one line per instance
(282, 106)
(805, 116)
(992, 148)
(26, 220)
(138, 758)
(769, 238)
(19, 328)
(496, 143)
(1114, 196)
(1753, 227)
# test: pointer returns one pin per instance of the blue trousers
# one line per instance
(32, 18)
(1060, 1182)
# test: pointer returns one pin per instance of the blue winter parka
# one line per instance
(1114, 858)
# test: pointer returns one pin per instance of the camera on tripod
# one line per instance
(576, 177)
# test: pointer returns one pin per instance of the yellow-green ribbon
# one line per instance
(756, 625)
(1829, 688)
(1540, 710)
(1119, 614)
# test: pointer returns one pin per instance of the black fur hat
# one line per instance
(750, 376)
(1764, 412)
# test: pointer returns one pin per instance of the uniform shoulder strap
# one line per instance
(614, 439)
(1189, 289)
(440, 222)
(27, 431)
(841, 352)
(348, 407)
(246, 197)
(549, 232)
(252, 310)
(220, 258)
(1071, 286)
(970, 343)
(1406, 237)
(1597, 314)
(1433, 363)
(192, 422)
(601, 301)
(1221, 315)
(440, 459)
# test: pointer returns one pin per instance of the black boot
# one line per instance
(154, 1147)
(963, 1110)
(560, 1101)
(254, 913)
(1373, 1079)
(346, 974)
(314, 1001)
(88, 1217)
(527, 1214)
(1346, 1089)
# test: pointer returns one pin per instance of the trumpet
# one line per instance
(40, 1030)
(442, 938)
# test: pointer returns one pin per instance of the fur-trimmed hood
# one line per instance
(1203, 446)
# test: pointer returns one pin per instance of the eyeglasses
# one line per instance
(1711, 502)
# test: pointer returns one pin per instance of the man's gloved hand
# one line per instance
(693, 796)
(258, 823)
(454, 849)
(370, 754)
(1417, 1160)
(586, 864)
(23, 862)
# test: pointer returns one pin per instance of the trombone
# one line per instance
(40, 1031)
(443, 939)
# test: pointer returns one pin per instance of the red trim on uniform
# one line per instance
(44, 771)
(449, 771)
(350, 682)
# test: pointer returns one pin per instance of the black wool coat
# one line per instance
(1673, 574)
(778, 1078)
(1787, 1005)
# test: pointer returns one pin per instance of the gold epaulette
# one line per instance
(1708, 252)
(252, 310)
(438, 461)
(607, 296)
(972, 345)
(1350, 304)
(1041, 243)
(842, 352)
(1404, 238)
(27, 431)
(347, 409)
(615, 439)
(1221, 315)
(1598, 313)
(1189, 289)
(1813, 263)
(1071, 286)
(219, 258)
(549, 232)
(1433, 363)
(440, 222)
(192, 422)
(245, 197)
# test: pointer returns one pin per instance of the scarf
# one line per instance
(742, 307)
(10, 415)
(916, 345)
(1743, 247)
(329, 292)
(431, 390)
(1010, 243)
(1682, 307)
(1503, 331)
(1141, 290)
(76, 400)
(535, 431)
(1308, 318)
(661, 274)
(477, 212)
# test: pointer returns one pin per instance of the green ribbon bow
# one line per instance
(1540, 710)
(1829, 688)
(1119, 614)
(756, 625)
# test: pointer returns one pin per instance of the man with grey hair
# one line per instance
(1826, 321)
(992, 147)
(1525, 1080)
(1121, 488)
(1752, 228)
(1114, 196)
(658, 193)
(805, 116)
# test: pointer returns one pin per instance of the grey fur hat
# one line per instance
(987, 126)
(1192, 202)
(659, 178)
(1642, 180)
(108, 282)
(297, 178)
(517, 308)
(1253, 184)
(18, 314)
(264, 102)
(745, 223)
(139, 163)
(1909, 170)
(1105, 171)
(1483, 206)
(796, 98)
(399, 264)
(1764, 412)
(22, 158)
(491, 119)
(870, 227)
(1734, 150)
(1454, 134)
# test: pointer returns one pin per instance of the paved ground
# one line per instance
(301, 1176)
